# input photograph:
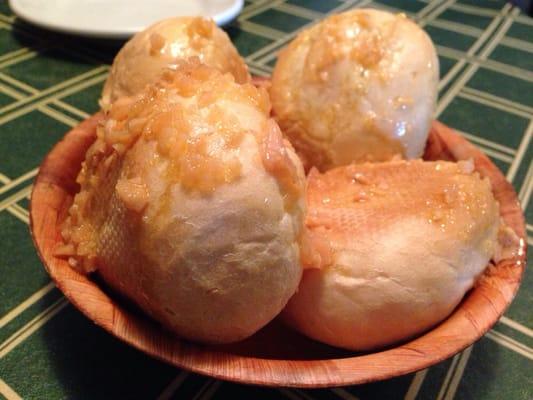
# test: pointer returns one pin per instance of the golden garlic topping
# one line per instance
(197, 118)
(448, 196)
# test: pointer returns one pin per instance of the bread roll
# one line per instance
(163, 45)
(400, 244)
(192, 204)
(358, 86)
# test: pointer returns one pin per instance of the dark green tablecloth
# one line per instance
(50, 82)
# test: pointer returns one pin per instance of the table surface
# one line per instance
(50, 82)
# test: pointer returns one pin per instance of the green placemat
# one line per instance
(50, 82)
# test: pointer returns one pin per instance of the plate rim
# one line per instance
(20, 11)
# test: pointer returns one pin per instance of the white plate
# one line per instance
(117, 19)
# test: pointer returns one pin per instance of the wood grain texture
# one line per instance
(275, 356)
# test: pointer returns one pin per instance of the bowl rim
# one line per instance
(464, 326)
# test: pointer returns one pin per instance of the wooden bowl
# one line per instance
(275, 356)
